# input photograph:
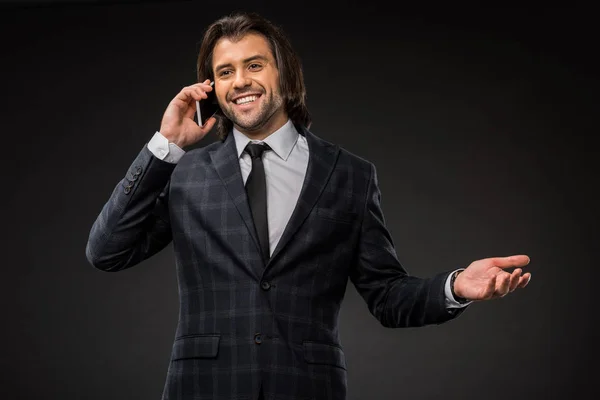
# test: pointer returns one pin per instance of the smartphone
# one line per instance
(206, 108)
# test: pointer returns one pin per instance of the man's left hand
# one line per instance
(486, 279)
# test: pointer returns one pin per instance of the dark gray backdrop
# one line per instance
(480, 123)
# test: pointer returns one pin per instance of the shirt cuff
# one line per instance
(450, 300)
(163, 150)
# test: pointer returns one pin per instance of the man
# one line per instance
(267, 225)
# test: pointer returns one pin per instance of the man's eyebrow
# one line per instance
(244, 61)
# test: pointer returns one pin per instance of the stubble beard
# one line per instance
(258, 118)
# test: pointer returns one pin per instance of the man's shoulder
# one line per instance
(355, 159)
(347, 157)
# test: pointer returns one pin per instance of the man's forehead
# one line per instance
(229, 50)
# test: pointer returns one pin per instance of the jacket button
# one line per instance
(127, 189)
(265, 285)
(258, 338)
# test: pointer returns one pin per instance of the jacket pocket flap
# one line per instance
(322, 353)
(197, 346)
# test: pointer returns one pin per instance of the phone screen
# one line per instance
(206, 108)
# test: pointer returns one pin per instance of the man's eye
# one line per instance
(255, 66)
(224, 73)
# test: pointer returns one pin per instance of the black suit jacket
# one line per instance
(243, 324)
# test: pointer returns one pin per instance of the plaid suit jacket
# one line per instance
(242, 324)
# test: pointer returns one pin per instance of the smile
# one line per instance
(245, 100)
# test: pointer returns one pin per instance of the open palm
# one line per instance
(487, 279)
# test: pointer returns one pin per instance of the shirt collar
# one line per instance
(281, 141)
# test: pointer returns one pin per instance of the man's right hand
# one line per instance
(178, 124)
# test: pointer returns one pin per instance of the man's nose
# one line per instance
(241, 80)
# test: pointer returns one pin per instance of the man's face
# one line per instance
(247, 84)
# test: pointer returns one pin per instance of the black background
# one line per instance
(480, 123)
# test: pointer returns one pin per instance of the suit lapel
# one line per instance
(321, 162)
(227, 165)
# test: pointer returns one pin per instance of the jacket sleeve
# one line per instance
(134, 223)
(394, 297)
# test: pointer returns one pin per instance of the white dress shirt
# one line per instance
(285, 169)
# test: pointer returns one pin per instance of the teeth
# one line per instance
(247, 99)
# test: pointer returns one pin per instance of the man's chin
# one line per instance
(249, 128)
(249, 125)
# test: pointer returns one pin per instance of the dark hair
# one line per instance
(291, 81)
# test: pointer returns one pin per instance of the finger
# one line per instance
(205, 86)
(204, 82)
(191, 110)
(512, 261)
(515, 279)
(201, 93)
(490, 289)
(188, 94)
(502, 284)
(524, 280)
(209, 124)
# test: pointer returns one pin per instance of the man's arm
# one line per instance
(134, 223)
(395, 298)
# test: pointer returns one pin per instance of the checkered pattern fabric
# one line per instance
(244, 325)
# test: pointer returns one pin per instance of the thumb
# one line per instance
(209, 124)
(511, 261)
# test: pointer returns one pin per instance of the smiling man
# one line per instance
(268, 224)
(251, 99)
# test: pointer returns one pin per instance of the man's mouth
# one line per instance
(246, 99)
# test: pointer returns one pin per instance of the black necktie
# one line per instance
(256, 188)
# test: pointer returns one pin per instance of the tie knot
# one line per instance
(256, 149)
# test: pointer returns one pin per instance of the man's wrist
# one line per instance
(458, 298)
(159, 146)
(174, 140)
